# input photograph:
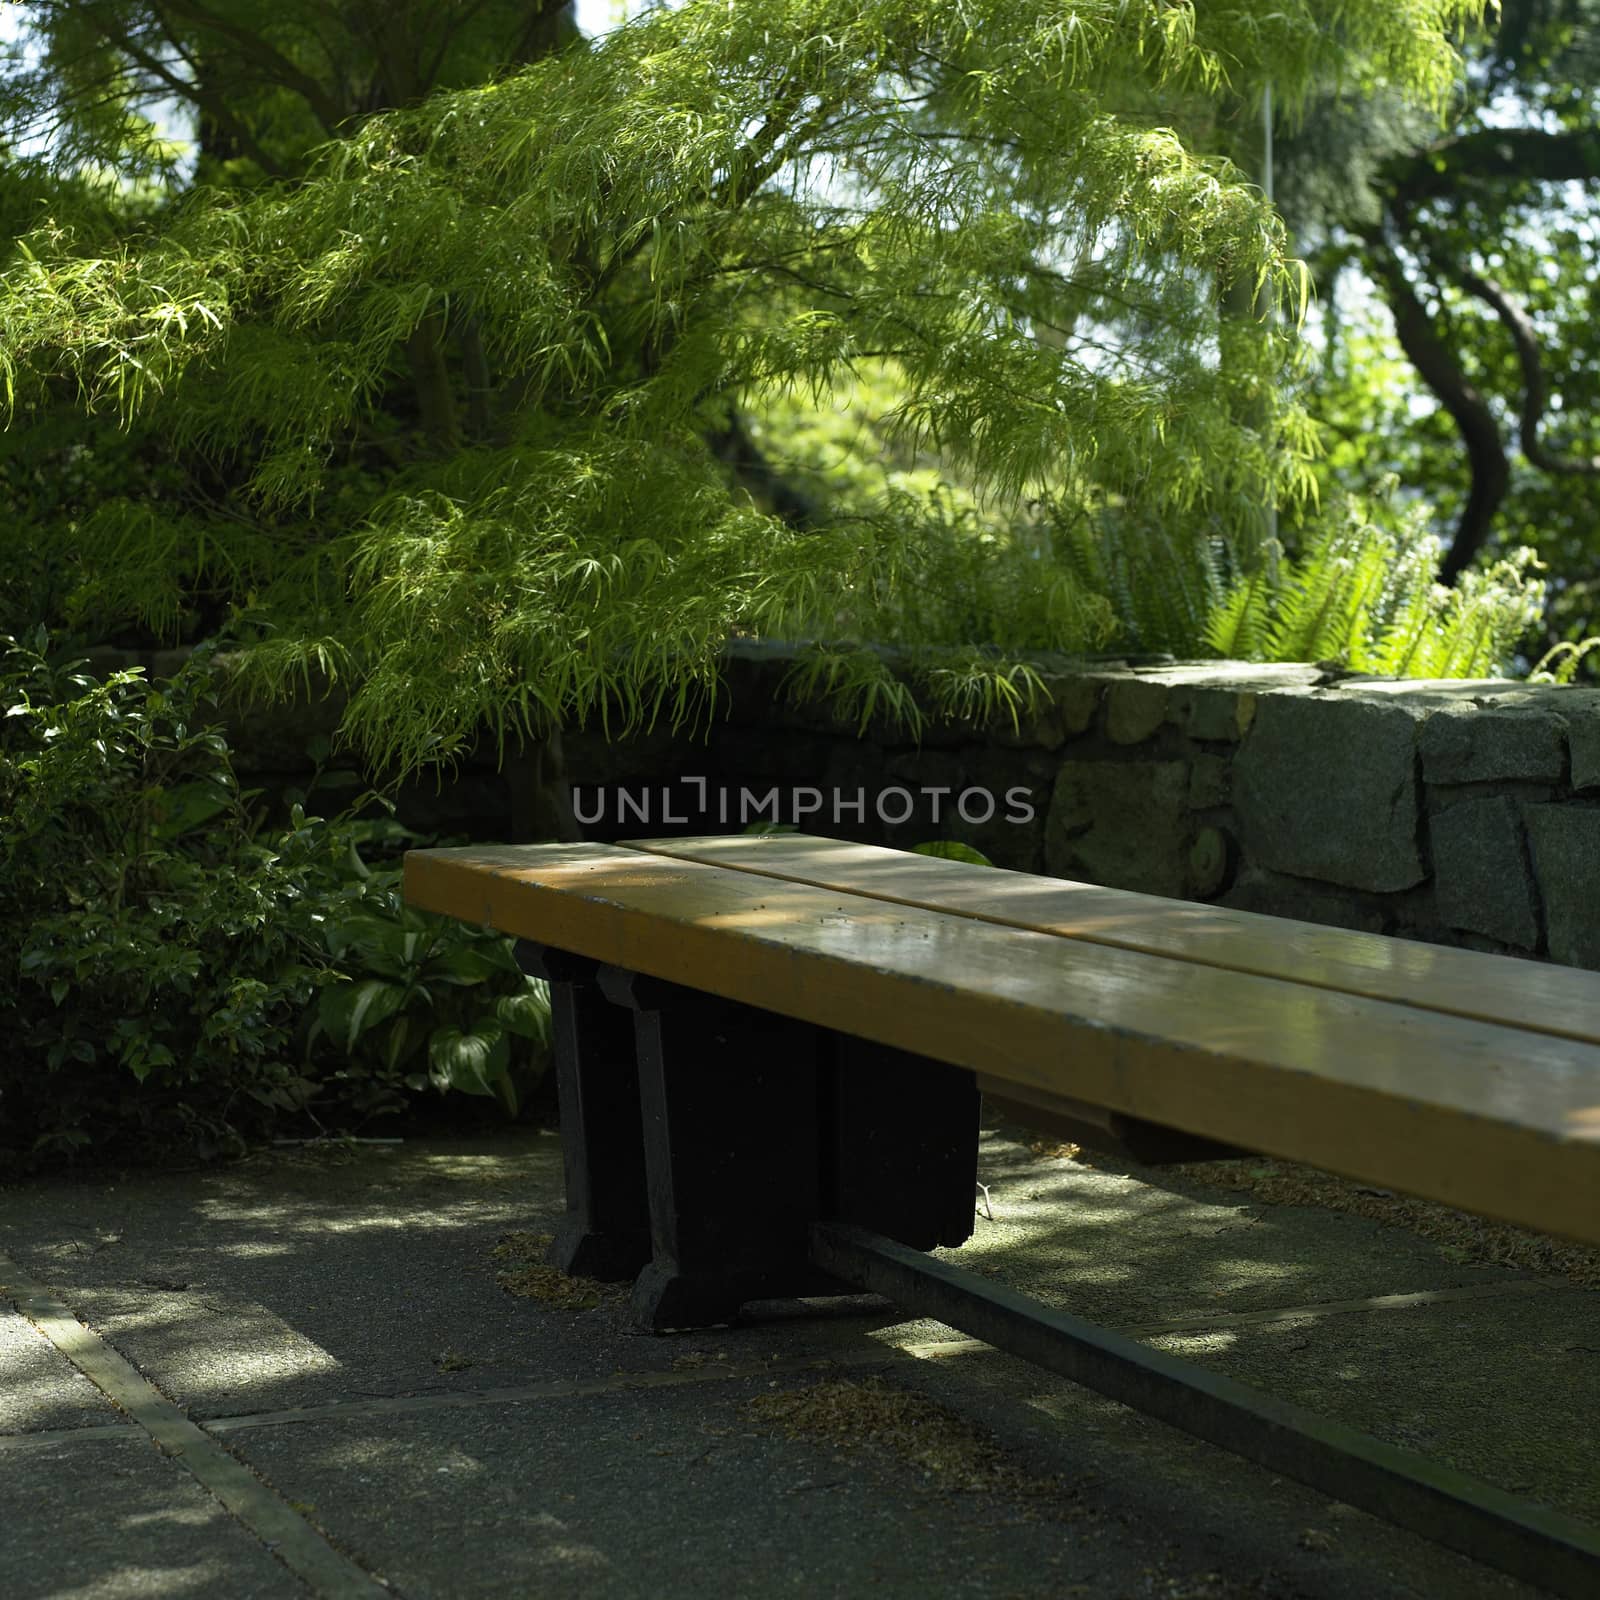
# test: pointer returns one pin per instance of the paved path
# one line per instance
(300, 1375)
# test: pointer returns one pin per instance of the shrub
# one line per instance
(181, 980)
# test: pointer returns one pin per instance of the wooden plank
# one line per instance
(1466, 983)
(1489, 1118)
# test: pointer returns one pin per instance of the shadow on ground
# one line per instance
(463, 1441)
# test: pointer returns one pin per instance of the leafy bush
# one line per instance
(180, 979)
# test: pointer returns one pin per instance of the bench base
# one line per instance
(606, 1231)
(702, 1138)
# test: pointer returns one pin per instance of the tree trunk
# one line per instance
(436, 407)
(541, 796)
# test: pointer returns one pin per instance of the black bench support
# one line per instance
(1536, 1545)
(729, 1102)
(606, 1231)
(900, 1143)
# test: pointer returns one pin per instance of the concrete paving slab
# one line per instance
(1122, 1245)
(113, 1519)
(42, 1389)
(1506, 1391)
(301, 1280)
(668, 1494)
(298, 1281)
(1221, 1513)
(676, 1493)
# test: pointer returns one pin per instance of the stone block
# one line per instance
(1583, 735)
(1565, 842)
(994, 801)
(101, 660)
(1074, 699)
(927, 769)
(1209, 859)
(1135, 708)
(1327, 789)
(279, 735)
(1474, 746)
(1210, 782)
(1008, 838)
(656, 756)
(1482, 882)
(1205, 711)
(161, 664)
(479, 806)
(1043, 729)
(1122, 823)
(1077, 699)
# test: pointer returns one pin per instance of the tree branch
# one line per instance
(1438, 368)
(448, 33)
(734, 446)
(213, 105)
(542, 32)
(261, 55)
(436, 408)
(1496, 155)
(1535, 391)
(480, 385)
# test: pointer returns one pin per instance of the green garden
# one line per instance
(799, 797)
(497, 365)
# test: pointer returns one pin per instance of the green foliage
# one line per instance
(1365, 594)
(1406, 222)
(424, 999)
(450, 394)
(952, 850)
(176, 979)
(1560, 663)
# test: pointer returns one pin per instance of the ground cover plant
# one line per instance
(182, 978)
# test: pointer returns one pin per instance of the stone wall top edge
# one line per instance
(1256, 677)
(1297, 679)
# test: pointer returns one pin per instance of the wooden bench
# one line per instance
(770, 1052)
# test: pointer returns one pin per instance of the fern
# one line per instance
(1560, 663)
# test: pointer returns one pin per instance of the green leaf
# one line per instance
(188, 807)
(467, 964)
(469, 1062)
(952, 850)
(346, 1011)
(394, 1046)
(526, 1014)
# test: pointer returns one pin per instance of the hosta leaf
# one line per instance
(346, 1011)
(470, 1062)
(526, 1014)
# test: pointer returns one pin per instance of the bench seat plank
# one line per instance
(1467, 983)
(1493, 1119)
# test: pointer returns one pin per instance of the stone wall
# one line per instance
(1458, 813)
(1454, 812)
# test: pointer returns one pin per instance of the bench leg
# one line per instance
(900, 1147)
(729, 1096)
(605, 1233)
